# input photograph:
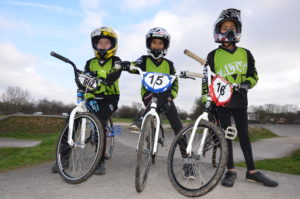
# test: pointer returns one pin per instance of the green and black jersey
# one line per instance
(147, 63)
(236, 66)
(105, 69)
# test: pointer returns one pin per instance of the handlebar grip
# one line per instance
(132, 67)
(192, 74)
(194, 56)
(58, 56)
(117, 65)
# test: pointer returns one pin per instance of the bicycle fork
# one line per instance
(154, 113)
(229, 133)
(204, 116)
(79, 108)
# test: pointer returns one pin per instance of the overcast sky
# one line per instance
(30, 30)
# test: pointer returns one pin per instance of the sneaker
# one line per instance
(54, 168)
(261, 178)
(229, 178)
(189, 171)
(100, 169)
(134, 127)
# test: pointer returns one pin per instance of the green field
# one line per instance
(47, 130)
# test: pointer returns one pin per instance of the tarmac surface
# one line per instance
(39, 182)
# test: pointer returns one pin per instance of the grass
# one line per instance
(47, 130)
(127, 120)
(290, 164)
(257, 133)
(12, 158)
(43, 129)
(130, 120)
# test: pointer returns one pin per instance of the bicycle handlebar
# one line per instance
(58, 56)
(187, 74)
(62, 58)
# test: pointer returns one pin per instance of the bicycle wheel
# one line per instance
(109, 141)
(144, 153)
(195, 176)
(77, 163)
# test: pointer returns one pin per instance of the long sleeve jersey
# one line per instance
(147, 63)
(106, 71)
(236, 66)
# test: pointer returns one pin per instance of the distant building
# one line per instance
(38, 113)
(65, 114)
(253, 118)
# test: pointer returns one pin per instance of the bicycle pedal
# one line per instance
(230, 133)
(135, 132)
(161, 141)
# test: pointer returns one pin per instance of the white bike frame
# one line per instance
(203, 116)
(78, 109)
(230, 132)
(81, 107)
(152, 112)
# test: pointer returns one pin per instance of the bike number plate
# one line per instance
(157, 82)
(220, 91)
(88, 82)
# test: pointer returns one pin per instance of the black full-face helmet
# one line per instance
(231, 36)
(159, 33)
(104, 32)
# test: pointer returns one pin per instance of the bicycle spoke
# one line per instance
(144, 153)
(196, 175)
(79, 161)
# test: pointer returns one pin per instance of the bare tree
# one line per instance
(134, 111)
(197, 109)
(182, 114)
(290, 108)
(15, 99)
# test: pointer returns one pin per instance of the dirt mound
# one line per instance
(34, 124)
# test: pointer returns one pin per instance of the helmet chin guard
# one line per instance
(159, 33)
(156, 54)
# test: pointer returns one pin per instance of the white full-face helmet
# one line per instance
(159, 33)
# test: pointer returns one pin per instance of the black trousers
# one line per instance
(106, 108)
(241, 121)
(172, 115)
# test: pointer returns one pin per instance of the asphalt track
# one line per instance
(39, 182)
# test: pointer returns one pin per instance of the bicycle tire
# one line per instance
(206, 177)
(109, 148)
(76, 164)
(213, 119)
(144, 153)
(161, 132)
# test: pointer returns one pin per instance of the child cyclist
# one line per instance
(237, 65)
(157, 43)
(104, 101)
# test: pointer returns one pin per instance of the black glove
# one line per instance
(125, 65)
(106, 81)
(166, 106)
(92, 74)
(244, 88)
